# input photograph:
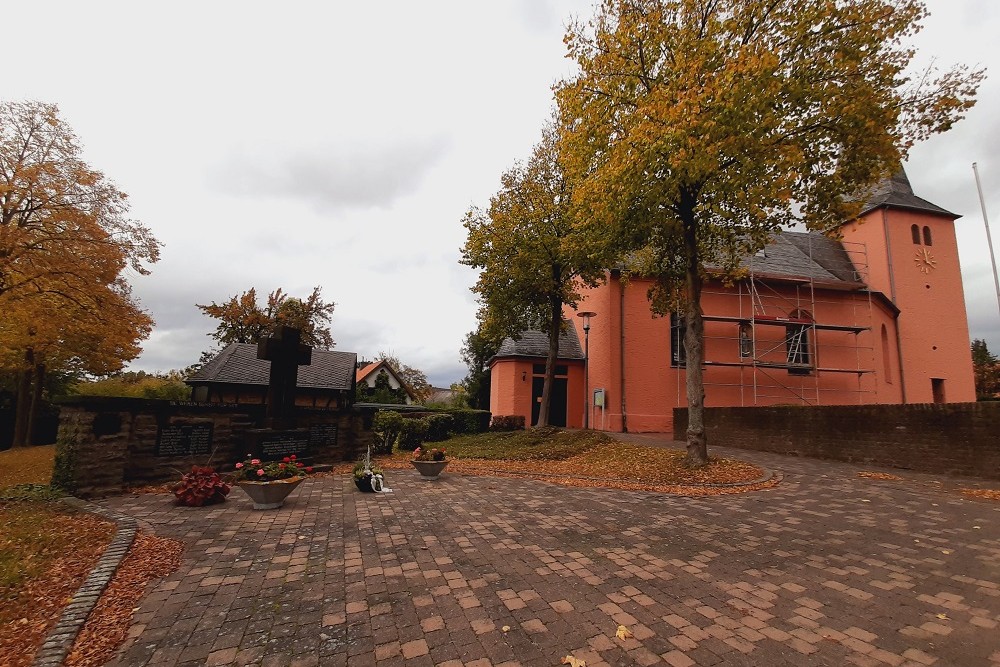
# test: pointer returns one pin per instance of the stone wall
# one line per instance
(107, 444)
(949, 438)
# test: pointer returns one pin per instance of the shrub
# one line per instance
(386, 425)
(470, 421)
(413, 433)
(201, 486)
(439, 427)
(507, 423)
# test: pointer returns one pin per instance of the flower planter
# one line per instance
(270, 495)
(364, 484)
(429, 470)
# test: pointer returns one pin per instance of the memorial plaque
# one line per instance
(323, 434)
(274, 445)
(184, 440)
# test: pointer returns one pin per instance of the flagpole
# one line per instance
(989, 240)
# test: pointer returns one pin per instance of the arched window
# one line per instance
(797, 343)
(927, 236)
(746, 340)
(915, 232)
(678, 355)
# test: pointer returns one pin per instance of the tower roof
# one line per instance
(896, 192)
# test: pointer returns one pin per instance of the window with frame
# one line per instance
(927, 236)
(678, 327)
(797, 344)
(915, 233)
(746, 340)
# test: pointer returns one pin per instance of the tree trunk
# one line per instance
(694, 337)
(23, 399)
(36, 402)
(555, 324)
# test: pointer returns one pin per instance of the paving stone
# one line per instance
(803, 574)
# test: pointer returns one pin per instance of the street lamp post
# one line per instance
(586, 315)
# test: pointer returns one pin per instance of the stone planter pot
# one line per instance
(429, 470)
(270, 495)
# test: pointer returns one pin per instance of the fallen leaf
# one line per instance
(623, 633)
(573, 662)
(505, 628)
(943, 617)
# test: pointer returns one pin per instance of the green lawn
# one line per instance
(546, 444)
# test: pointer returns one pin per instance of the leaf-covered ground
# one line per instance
(46, 551)
(26, 465)
(585, 459)
(149, 558)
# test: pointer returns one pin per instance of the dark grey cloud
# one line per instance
(334, 178)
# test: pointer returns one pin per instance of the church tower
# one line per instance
(913, 260)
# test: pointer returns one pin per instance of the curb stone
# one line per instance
(60, 639)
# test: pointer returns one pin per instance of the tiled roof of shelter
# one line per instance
(536, 344)
(897, 192)
(238, 364)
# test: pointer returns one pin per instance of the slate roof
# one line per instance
(238, 364)
(897, 192)
(536, 344)
(809, 255)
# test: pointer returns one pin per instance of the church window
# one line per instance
(797, 344)
(746, 340)
(915, 233)
(678, 355)
(927, 236)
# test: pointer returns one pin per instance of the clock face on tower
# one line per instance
(924, 260)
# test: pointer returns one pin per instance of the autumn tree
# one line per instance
(243, 320)
(477, 350)
(986, 369)
(66, 243)
(532, 257)
(698, 128)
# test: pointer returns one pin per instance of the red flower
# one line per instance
(309, 469)
(282, 466)
(286, 459)
(293, 457)
(299, 464)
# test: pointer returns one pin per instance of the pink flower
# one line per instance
(255, 462)
(239, 465)
(292, 457)
(282, 466)
(286, 459)
(309, 469)
(260, 472)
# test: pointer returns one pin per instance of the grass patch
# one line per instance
(540, 444)
(26, 465)
(585, 459)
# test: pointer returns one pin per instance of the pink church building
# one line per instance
(877, 317)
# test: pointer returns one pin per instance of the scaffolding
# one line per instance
(791, 341)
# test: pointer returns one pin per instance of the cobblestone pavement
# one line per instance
(826, 569)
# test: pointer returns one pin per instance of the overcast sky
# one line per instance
(339, 144)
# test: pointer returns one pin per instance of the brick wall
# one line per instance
(952, 438)
(111, 442)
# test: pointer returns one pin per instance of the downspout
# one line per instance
(621, 315)
(892, 293)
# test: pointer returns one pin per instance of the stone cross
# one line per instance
(286, 353)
